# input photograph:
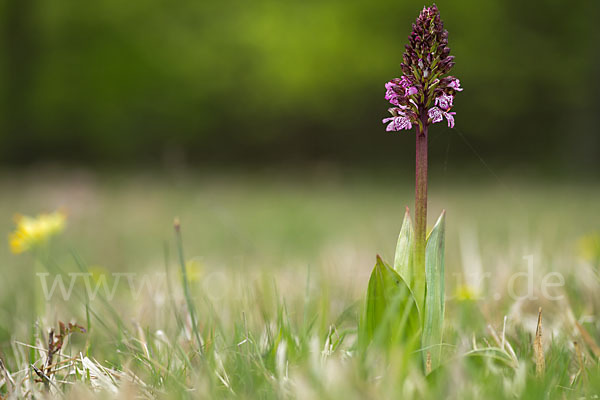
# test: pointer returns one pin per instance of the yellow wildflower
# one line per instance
(98, 274)
(30, 231)
(467, 293)
(193, 269)
(589, 247)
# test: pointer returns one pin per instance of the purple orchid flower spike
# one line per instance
(426, 63)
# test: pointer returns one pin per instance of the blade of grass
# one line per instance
(170, 290)
(186, 286)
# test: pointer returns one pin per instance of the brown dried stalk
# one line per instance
(538, 349)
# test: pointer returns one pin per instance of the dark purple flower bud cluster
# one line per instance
(424, 94)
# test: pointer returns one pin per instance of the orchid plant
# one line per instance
(406, 302)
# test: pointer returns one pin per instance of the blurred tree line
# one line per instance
(232, 81)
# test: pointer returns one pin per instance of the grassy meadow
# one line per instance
(276, 269)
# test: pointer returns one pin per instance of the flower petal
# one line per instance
(450, 117)
(435, 114)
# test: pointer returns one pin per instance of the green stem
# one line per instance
(421, 195)
(186, 286)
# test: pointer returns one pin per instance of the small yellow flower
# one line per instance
(467, 293)
(98, 274)
(30, 231)
(193, 269)
(589, 247)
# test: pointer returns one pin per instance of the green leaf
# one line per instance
(391, 315)
(434, 299)
(404, 261)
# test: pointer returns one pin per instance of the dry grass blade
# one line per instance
(100, 378)
(588, 339)
(538, 349)
(50, 353)
(504, 345)
(579, 354)
(10, 383)
(428, 363)
(45, 378)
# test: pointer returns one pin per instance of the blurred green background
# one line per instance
(266, 82)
